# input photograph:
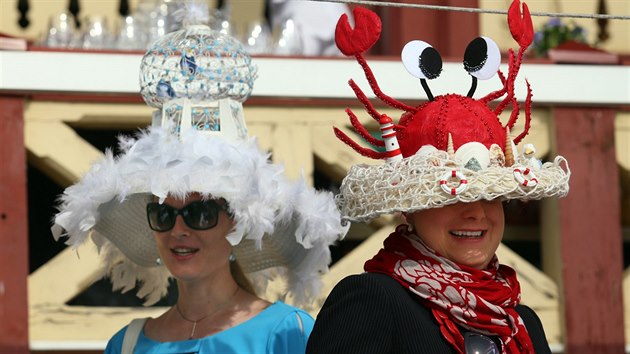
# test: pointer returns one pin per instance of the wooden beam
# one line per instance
(65, 276)
(90, 115)
(622, 149)
(622, 139)
(590, 232)
(59, 280)
(262, 133)
(13, 229)
(336, 158)
(29, 71)
(292, 147)
(352, 263)
(59, 325)
(538, 291)
(447, 31)
(58, 150)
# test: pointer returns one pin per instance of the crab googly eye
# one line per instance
(421, 60)
(482, 58)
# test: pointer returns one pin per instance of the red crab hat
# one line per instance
(453, 148)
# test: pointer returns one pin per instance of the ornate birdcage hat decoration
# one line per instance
(198, 78)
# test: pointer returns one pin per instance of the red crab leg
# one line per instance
(363, 99)
(369, 75)
(528, 114)
(358, 148)
(514, 115)
(498, 93)
(360, 129)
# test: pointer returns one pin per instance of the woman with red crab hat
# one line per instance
(437, 286)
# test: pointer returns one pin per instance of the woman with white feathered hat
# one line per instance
(194, 199)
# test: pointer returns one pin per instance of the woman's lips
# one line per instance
(467, 234)
(184, 252)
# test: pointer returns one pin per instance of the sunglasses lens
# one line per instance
(201, 215)
(161, 216)
(475, 343)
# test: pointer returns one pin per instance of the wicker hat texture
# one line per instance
(453, 148)
(198, 79)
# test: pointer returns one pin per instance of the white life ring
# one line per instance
(461, 187)
(525, 178)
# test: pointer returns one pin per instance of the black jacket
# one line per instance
(373, 313)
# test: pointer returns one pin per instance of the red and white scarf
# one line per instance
(478, 300)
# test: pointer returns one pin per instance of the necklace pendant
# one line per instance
(192, 332)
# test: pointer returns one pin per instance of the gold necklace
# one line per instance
(194, 327)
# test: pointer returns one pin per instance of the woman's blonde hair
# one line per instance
(240, 277)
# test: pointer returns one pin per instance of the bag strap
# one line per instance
(131, 335)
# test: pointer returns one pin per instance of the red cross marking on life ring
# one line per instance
(461, 186)
(525, 178)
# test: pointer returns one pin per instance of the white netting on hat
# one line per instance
(419, 182)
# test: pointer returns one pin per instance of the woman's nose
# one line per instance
(474, 210)
(180, 228)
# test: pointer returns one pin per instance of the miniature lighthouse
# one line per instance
(389, 137)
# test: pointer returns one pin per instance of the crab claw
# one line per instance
(367, 30)
(521, 27)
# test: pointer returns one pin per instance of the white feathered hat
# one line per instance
(198, 143)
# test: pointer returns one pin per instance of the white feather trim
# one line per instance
(281, 219)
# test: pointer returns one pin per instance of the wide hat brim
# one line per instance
(278, 223)
(432, 181)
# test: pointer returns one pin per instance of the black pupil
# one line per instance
(476, 55)
(430, 63)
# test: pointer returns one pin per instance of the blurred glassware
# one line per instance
(171, 7)
(130, 35)
(96, 34)
(157, 24)
(151, 18)
(257, 39)
(61, 31)
(287, 39)
(220, 21)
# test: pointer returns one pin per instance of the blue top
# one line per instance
(276, 330)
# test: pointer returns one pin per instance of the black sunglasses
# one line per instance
(475, 343)
(198, 215)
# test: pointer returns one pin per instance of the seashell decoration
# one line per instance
(510, 152)
(473, 155)
(497, 159)
(427, 150)
(449, 148)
